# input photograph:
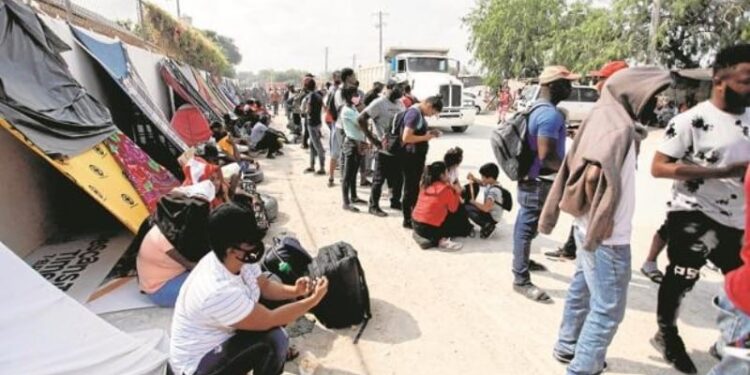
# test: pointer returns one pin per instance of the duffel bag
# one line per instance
(286, 259)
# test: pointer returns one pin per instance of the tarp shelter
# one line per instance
(191, 125)
(181, 84)
(47, 332)
(37, 94)
(206, 93)
(152, 130)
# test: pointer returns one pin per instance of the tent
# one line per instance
(181, 84)
(191, 125)
(206, 93)
(161, 143)
(47, 332)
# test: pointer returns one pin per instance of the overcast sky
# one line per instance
(283, 34)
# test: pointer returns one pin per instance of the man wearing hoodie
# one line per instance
(596, 185)
(706, 151)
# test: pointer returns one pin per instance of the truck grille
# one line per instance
(451, 95)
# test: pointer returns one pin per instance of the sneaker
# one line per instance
(270, 156)
(560, 254)
(536, 267)
(448, 245)
(567, 358)
(321, 172)
(350, 208)
(672, 349)
(377, 212)
(279, 153)
(309, 170)
(714, 352)
(330, 183)
(396, 206)
(487, 231)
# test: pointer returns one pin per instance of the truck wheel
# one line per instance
(459, 129)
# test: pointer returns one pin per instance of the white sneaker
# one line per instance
(449, 245)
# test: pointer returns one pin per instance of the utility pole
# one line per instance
(326, 60)
(179, 14)
(141, 19)
(379, 26)
(655, 21)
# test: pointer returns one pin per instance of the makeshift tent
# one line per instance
(162, 143)
(216, 92)
(47, 332)
(173, 76)
(191, 125)
(37, 93)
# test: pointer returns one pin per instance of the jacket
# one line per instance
(434, 204)
(603, 141)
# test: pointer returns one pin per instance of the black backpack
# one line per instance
(331, 105)
(511, 146)
(348, 300)
(286, 259)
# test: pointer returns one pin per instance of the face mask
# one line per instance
(355, 100)
(253, 256)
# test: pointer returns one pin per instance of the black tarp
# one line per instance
(38, 96)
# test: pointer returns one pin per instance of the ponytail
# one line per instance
(432, 173)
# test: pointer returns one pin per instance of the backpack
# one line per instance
(472, 190)
(393, 140)
(252, 201)
(184, 221)
(348, 300)
(511, 146)
(286, 259)
(333, 112)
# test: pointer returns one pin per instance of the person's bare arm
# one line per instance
(410, 137)
(263, 319)
(177, 257)
(276, 291)
(362, 121)
(486, 206)
(547, 153)
(665, 166)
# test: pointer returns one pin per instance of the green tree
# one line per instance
(227, 46)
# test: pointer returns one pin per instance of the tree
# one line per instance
(227, 46)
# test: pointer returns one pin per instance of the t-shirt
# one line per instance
(434, 204)
(226, 146)
(737, 284)
(349, 118)
(623, 216)
(338, 101)
(315, 103)
(414, 120)
(548, 122)
(259, 130)
(211, 300)
(154, 266)
(709, 137)
(496, 195)
(382, 111)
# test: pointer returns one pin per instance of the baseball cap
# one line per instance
(556, 72)
(610, 68)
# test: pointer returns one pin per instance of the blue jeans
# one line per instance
(734, 325)
(166, 296)
(595, 305)
(531, 197)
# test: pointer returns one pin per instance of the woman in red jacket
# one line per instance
(438, 214)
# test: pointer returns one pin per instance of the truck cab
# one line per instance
(432, 72)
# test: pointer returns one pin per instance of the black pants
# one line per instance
(269, 142)
(305, 132)
(478, 216)
(349, 170)
(262, 352)
(387, 169)
(693, 237)
(456, 224)
(296, 127)
(413, 166)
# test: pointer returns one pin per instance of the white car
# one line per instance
(471, 100)
(577, 106)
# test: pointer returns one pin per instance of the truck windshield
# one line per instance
(428, 64)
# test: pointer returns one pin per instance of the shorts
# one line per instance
(337, 141)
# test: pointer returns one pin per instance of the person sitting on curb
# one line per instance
(218, 323)
(438, 214)
(488, 213)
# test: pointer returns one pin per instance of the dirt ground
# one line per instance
(456, 313)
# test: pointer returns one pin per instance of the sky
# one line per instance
(285, 34)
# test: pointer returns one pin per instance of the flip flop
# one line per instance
(653, 275)
(533, 293)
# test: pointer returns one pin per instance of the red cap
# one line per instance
(610, 68)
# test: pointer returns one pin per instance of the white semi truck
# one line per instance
(429, 72)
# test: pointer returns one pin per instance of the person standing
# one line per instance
(504, 101)
(568, 250)
(596, 185)
(354, 141)
(706, 151)
(546, 139)
(314, 124)
(275, 100)
(408, 99)
(348, 79)
(415, 137)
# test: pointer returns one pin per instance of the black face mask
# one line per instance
(252, 256)
(733, 99)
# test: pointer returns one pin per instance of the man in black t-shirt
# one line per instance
(314, 122)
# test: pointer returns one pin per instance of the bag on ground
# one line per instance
(348, 300)
(287, 259)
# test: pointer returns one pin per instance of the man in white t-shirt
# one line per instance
(706, 151)
(596, 185)
(218, 321)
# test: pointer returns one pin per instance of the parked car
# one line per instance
(471, 100)
(577, 106)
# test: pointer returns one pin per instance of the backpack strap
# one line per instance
(366, 293)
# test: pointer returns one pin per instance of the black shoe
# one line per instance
(486, 231)
(567, 358)
(396, 206)
(377, 212)
(305, 147)
(330, 183)
(423, 243)
(536, 267)
(672, 349)
(533, 293)
(358, 201)
(407, 224)
(365, 183)
(270, 156)
(560, 254)
(309, 170)
(321, 172)
(279, 153)
(350, 208)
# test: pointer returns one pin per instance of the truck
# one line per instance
(429, 72)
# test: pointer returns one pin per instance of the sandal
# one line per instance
(654, 275)
(292, 353)
(536, 267)
(533, 293)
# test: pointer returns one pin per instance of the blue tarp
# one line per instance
(111, 55)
